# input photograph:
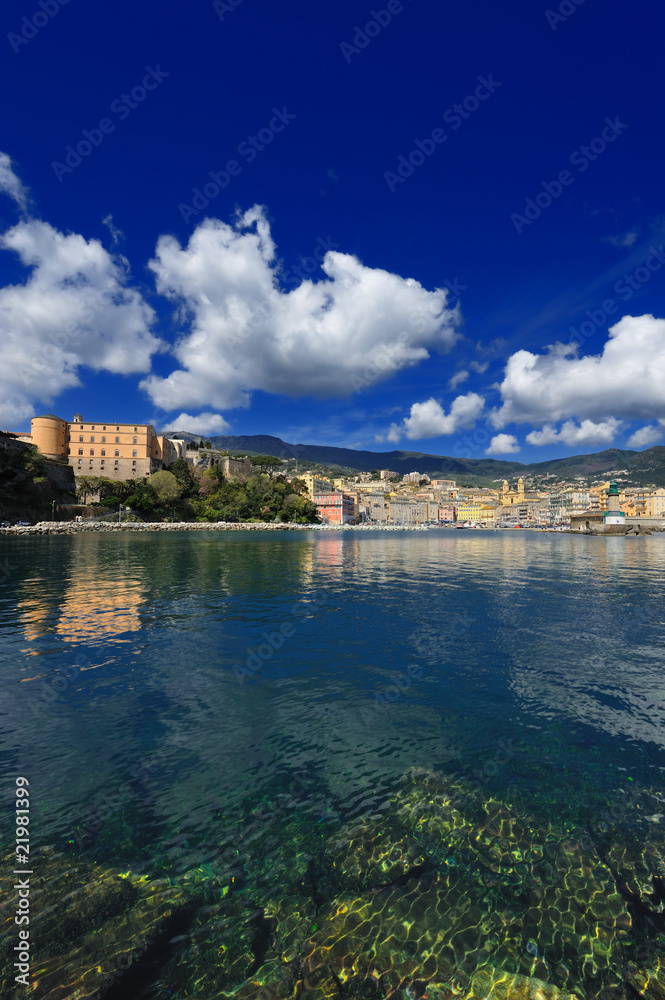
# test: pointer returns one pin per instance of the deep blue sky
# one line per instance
(323, 177)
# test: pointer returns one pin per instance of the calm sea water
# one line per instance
(178, 702)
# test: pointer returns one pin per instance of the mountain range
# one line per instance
(640, 466)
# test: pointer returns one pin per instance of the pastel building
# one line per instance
(316, 485)
(335, 508)
(113, 450)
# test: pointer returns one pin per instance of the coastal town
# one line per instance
(91, 454)
(416, 499)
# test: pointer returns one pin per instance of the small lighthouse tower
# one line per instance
(613, 514)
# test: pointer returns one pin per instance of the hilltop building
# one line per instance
(113, 450)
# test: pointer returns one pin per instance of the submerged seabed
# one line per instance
(441, 890)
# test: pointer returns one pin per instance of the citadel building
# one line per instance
(116, 451)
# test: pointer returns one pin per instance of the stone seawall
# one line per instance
(74, 528)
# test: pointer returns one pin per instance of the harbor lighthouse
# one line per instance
(613, 514)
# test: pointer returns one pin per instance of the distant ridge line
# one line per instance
(647, 465)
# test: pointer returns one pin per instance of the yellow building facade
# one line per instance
(113, 450)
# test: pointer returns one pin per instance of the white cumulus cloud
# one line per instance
(429, 419)
(74, 309)
(503, 444)
(626, 381)
(204, 423)
(321, 339)
(457, 379)
(10, 183)
(645, 436)
(586, 434)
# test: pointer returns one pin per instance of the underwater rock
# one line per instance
(649, 982)
(493, 984)
(395, 937)
(371, 853)
(89, 925)
(631, 836)
(579, 920)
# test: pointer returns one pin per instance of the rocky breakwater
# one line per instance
(74, 527)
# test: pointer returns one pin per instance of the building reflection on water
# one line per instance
(92, 605)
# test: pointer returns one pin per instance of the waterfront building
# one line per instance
(446, 513)
(644, 502)
(113, 450)
(412, 511)
(335, 508)
(469, 510)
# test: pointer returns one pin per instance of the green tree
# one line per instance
(144, 497)
(181, 470)
(166, 486)
(267, 464)
(85, 487)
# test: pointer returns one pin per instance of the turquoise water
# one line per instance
(241, 730)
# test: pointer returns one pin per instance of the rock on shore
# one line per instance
(74, 527)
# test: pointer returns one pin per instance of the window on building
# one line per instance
(135, 429)
(92, 438)
(104, 427)
(103, 451)
(117, 440)
(80, 437)
(104, 440)
(92, 427)
(69, 451)
(135, 440)
(115, 465)
(80, 460)
(117, 452)
(92, 451)
(80, 451)
(135, 453)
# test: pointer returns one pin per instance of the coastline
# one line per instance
(73, 527)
